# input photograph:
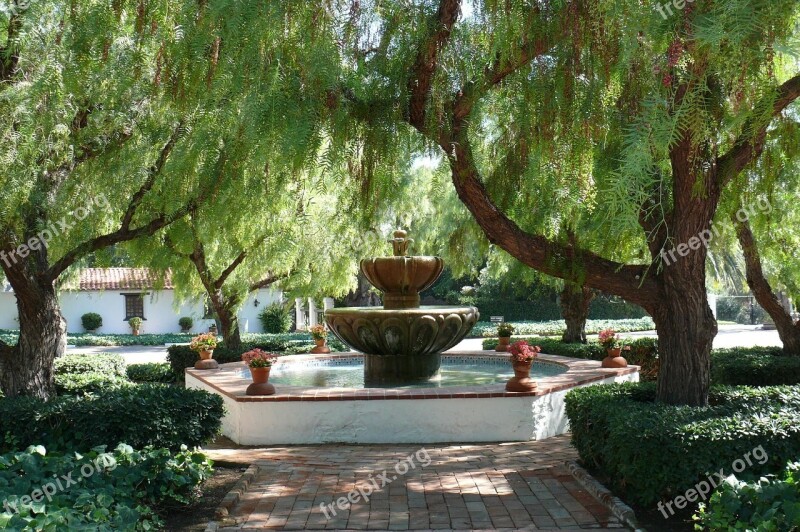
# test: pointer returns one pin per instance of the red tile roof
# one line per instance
(121, 279)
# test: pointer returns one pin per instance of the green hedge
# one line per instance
(649, 450)
(602, 308)
(87, 383)
(120, 490)
(105, 363)
(766, 505)
(755, 366)
(147, 414)
(557, 327)
(150, 372)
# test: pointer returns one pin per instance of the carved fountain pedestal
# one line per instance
(401, 341)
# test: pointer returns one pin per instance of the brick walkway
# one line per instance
(514, 486)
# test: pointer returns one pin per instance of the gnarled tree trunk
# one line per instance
(686, 329)
(27, 368)
(788, 329)
(575, 301)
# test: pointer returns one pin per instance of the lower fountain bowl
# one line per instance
(405, 332)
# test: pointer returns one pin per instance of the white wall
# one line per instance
(160, 312)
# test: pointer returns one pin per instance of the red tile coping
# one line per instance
(228, 381)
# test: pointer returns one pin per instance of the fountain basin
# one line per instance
(483, 412)
(401, 345)
(411, 331)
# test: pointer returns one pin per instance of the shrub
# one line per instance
(151, 372)
(276, 319)
(104, 363)
(557, 327)
(85, 383)
(135, 323)
(756, 366)
(186, 323)
(771, 503)
(675, 446)
(92, 321)
(551, 346)
(124, 492)
(147, 414)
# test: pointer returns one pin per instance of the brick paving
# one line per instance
(512, 486)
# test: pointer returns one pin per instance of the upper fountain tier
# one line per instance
(401, 278)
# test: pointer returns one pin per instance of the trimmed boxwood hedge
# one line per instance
(151, 372)
(105, 363)
(649, 450)
(755, 366)
(147, 414)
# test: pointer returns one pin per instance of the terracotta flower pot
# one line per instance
(320, 346)
(136, 332)
(502, 345)
(260, 375)
(613, 359)
(206, 362)
(260, 385)
(521, 381)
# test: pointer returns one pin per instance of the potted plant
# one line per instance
(522, 357)
(611, 342)
(320, 335)
(135, 323)
(504, 332)
(260, 363)
(205, 344)
(186, 323)
(212, 329)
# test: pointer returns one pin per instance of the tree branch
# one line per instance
(421, 80)
(125, 233)
(9, 55)
(750, 144)
(269, 280)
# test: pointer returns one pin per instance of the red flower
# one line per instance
(522, 352)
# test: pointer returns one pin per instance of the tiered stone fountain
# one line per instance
(402, 342)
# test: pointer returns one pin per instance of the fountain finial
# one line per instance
(400, 242)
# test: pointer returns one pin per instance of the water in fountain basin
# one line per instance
(350, 374)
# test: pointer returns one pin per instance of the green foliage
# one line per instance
(150, 372)
(557, 327)
(186, 323)
(756, 366)
(86, 383)
(92, 321)
(772, 503)
(147, 414)
(135, 323)
(108, 364)
(676, 446)
(276, 319)
(125, 490)
(548, 309)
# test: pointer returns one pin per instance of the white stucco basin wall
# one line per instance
(479, 414)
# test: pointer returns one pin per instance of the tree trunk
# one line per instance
(231, 336)
(788, 330)
(27, 368)
(575, 301)
(686, 329)
(363, 295)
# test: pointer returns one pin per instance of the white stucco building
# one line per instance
(119, 293)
